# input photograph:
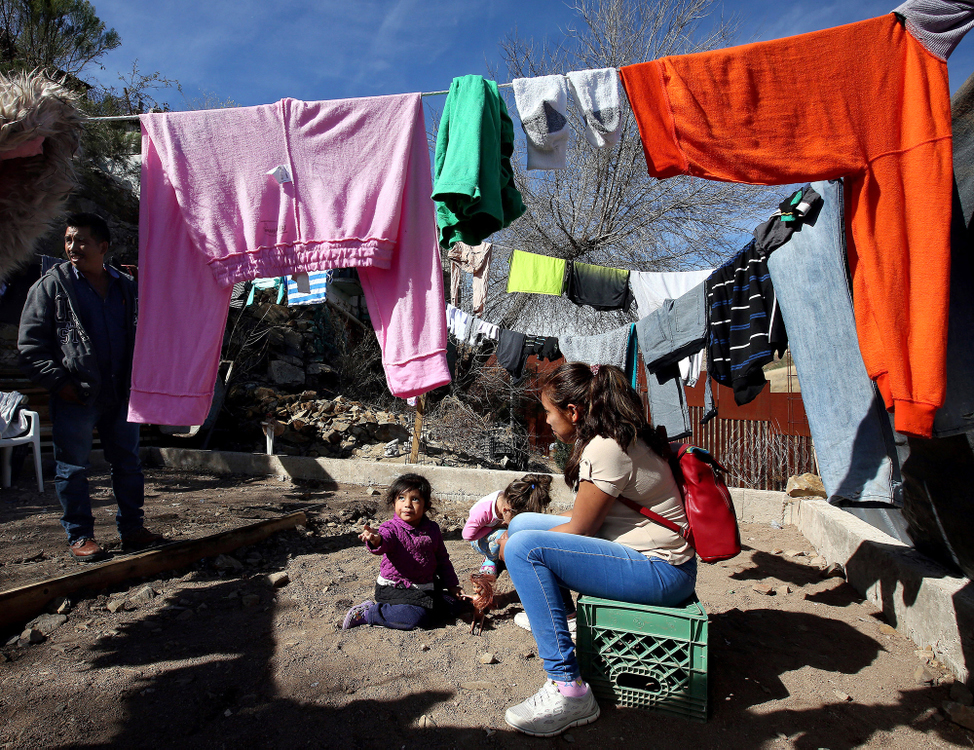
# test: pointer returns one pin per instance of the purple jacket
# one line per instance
(414, 554)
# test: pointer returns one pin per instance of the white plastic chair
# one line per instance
(7, 448)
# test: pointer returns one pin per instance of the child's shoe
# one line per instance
(357, 615)
(488, 567)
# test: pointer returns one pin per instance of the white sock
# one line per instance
(597, 94)
(541, 105)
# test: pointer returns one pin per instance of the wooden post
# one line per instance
(418, 428)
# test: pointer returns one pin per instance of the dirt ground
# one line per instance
(214, 656)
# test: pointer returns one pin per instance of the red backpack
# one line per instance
(713, 530)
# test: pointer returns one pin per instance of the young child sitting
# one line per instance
(490, 515)
(416, 578)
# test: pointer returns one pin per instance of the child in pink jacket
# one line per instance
(490, 515)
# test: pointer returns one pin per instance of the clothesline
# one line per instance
(123, 118)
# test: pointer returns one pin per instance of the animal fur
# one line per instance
(33, 189)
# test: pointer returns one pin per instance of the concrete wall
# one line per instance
(917, 596)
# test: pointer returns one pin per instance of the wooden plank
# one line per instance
(417, 428)
(25, 602)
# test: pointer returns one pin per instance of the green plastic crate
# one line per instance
(645, 657)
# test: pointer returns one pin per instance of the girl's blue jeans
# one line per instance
(541, 562)
(489, 546)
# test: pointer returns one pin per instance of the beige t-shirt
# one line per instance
(645, 478)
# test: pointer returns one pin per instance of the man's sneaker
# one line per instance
(357, 615)
(522, 621)
(548, 712)
(141, 538)
(86, 550)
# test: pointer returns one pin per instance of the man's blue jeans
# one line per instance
(853, 439)
(73, 435)
(542, 562)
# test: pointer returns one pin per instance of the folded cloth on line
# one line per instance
(473, 260)
(541, 105)
(599, 287)
(473, 182)
(652, 288)
(235, 194)
(536, 274)
(597, 94)
(510, 352)
(611, 348)
(308, 288)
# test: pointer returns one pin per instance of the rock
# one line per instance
(115, 604)
(47, 624)
(763, 588)
(818, 561)
(805, 485)
(250, 600)
(795, 553)
(960, 693)
(527, 655)
(886, 629)
(842, 696)
(285, 373)
(278, 580)
(320, 368)
(777, 551)
(32, 635)
(424, 647)
(922, 676)
(425, 722)
(488, 658)
(568, 738)
(385, 432)
(782, 590)
(227, 562)
(143, 596)
(963, 715)
(186, 614)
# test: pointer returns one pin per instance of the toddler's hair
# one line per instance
(529, 494)
(407, 482)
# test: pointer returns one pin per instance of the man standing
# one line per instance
(77, 333)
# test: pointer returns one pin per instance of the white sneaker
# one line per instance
(548, 712)
(522, 621)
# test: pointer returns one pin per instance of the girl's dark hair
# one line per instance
(407, 482)
(529, 494)
(608, 407)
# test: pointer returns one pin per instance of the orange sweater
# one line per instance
(865, 101)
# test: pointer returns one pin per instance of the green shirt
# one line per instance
(473, 183)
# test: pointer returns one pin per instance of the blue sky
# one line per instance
(259, 51)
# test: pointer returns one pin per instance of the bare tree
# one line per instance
(64, 36)
(604, 208)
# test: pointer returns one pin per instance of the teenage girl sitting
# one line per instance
(601, 547)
